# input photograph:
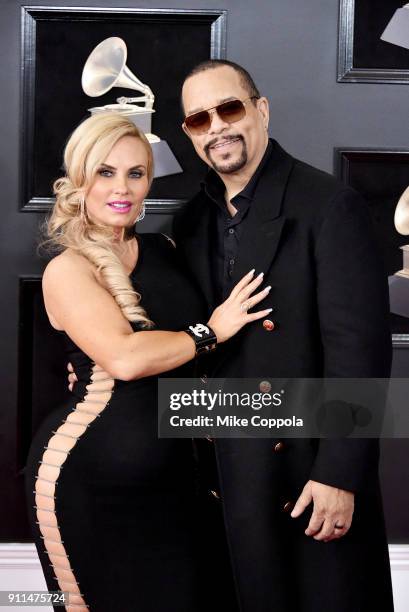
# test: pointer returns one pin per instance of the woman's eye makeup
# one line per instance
(136, 173)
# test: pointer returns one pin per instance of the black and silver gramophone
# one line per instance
(106, 68)
(397, 33)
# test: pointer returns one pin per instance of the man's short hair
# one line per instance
(245, 78)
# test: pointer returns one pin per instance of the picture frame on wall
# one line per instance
(163, 46)
(42, 365)
(362, 56)
(380, 176)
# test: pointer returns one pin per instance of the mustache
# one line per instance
(218, 140)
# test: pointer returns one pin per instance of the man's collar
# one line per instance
(215, 189)
(249, 189)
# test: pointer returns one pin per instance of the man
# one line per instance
(303, 518)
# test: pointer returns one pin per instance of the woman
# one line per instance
(113, 506)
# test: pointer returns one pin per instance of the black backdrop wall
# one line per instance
(291, 50)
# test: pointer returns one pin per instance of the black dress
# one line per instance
(113, 508)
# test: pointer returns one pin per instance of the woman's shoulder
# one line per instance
(66, 265)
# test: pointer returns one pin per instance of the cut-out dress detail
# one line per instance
(61, 443)
(113, 508)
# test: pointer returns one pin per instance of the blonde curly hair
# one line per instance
(69, 226)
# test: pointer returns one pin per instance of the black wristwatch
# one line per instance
(204, 337)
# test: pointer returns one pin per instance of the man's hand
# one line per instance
(332, 511)
(71, 376)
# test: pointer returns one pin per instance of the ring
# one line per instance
(244, 307)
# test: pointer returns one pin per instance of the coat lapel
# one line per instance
(262, 228)
(264, 224)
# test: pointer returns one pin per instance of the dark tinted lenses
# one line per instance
(231, 111)
(198, 123)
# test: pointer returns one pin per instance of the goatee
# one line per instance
(229, 167)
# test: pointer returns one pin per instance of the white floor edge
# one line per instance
(20, 570)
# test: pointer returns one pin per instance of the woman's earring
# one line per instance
(141, 213)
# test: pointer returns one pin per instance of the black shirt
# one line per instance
(226, 230)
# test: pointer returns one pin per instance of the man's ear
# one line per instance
(264, 109)
(186, 131)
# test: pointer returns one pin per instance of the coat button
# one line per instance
(288, 506)
(268, 325)
(265, 386)
(215, 494)
(279, 447)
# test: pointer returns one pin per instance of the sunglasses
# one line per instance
(230, 112)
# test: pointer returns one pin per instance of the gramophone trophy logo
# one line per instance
(399, 282)
(106, 68)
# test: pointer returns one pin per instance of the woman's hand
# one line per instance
(228, 318)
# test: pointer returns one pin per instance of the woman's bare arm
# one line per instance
(77, 303)
(87, 312)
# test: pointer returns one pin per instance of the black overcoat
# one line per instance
(312, 237)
